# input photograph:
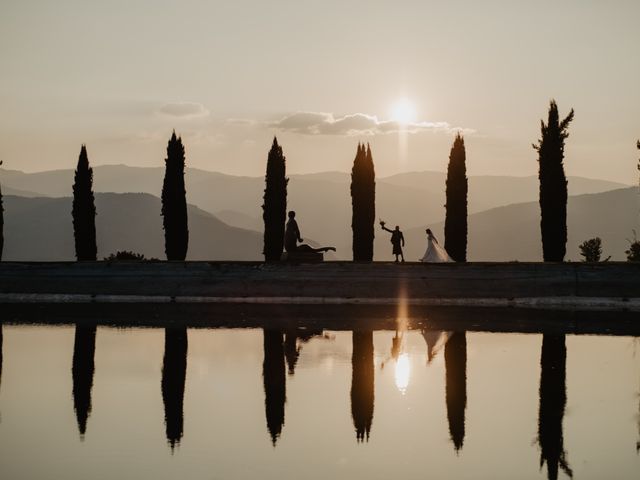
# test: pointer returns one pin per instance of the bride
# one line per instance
(435, 252)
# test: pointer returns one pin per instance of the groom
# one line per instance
(397, 240)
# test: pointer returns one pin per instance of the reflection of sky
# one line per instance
(225, 418)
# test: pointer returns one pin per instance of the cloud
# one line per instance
(184, 110)
(320, 123)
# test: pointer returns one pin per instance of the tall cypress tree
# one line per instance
(455, 224)
(174, 202)
(553, 184)
(274, 209)
(363, 204)
(84, 210)
(1, 221)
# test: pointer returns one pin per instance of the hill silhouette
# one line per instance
(321, 200)
(513, 232)
(40, 229)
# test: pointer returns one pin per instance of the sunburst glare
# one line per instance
(403, 111)
(402, 372)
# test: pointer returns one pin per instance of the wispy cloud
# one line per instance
(321, 123)
(183, 110)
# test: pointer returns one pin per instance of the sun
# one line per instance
(403, 111)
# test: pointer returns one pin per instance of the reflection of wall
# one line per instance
(362, 383)
(553, 398)
(84, 347)
(455, 358)
(274, 376)
(174, 372)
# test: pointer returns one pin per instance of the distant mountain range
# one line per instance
(513, 232)
(322, 200)
(40, 229)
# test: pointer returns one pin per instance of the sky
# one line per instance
(404, 76)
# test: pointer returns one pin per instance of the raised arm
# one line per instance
(386, 229)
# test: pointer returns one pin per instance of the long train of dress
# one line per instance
(435, 253)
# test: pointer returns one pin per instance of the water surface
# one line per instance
(90, 401)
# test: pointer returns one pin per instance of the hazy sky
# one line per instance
(322, 75)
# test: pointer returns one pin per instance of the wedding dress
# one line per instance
(435, 253)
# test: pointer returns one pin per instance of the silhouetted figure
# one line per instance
(84, 210)
(553, 398)
(553, 185)
(291, 351)
(397, 240)
(292, 237)
(455, 223)
(275, 386)
(362, 383)
(174, 372)
(174, 202)
(434, 253)
(274, 208)
(292, 344)
(82, 369)
(363, 204)
(455, 360)
(435, 340)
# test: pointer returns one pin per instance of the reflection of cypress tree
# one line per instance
(553, 398)
(274, 376)
(455, 360)
(174, 372)
(362, 383)
(84, 347)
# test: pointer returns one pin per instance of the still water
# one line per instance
(79, 402)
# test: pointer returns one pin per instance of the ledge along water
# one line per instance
(610, 285)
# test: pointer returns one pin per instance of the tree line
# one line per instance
(553, 201)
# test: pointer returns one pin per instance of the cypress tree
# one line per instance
(455, 224)
(274, 209)
(1, 221)
(84, 210)
(553, 185)
(174, 202)
(363, 204)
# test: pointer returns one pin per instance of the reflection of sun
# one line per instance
(403, 111)
(402, 373)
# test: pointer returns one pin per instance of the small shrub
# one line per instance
(125, 256)
(633, 254)
(591, 250)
